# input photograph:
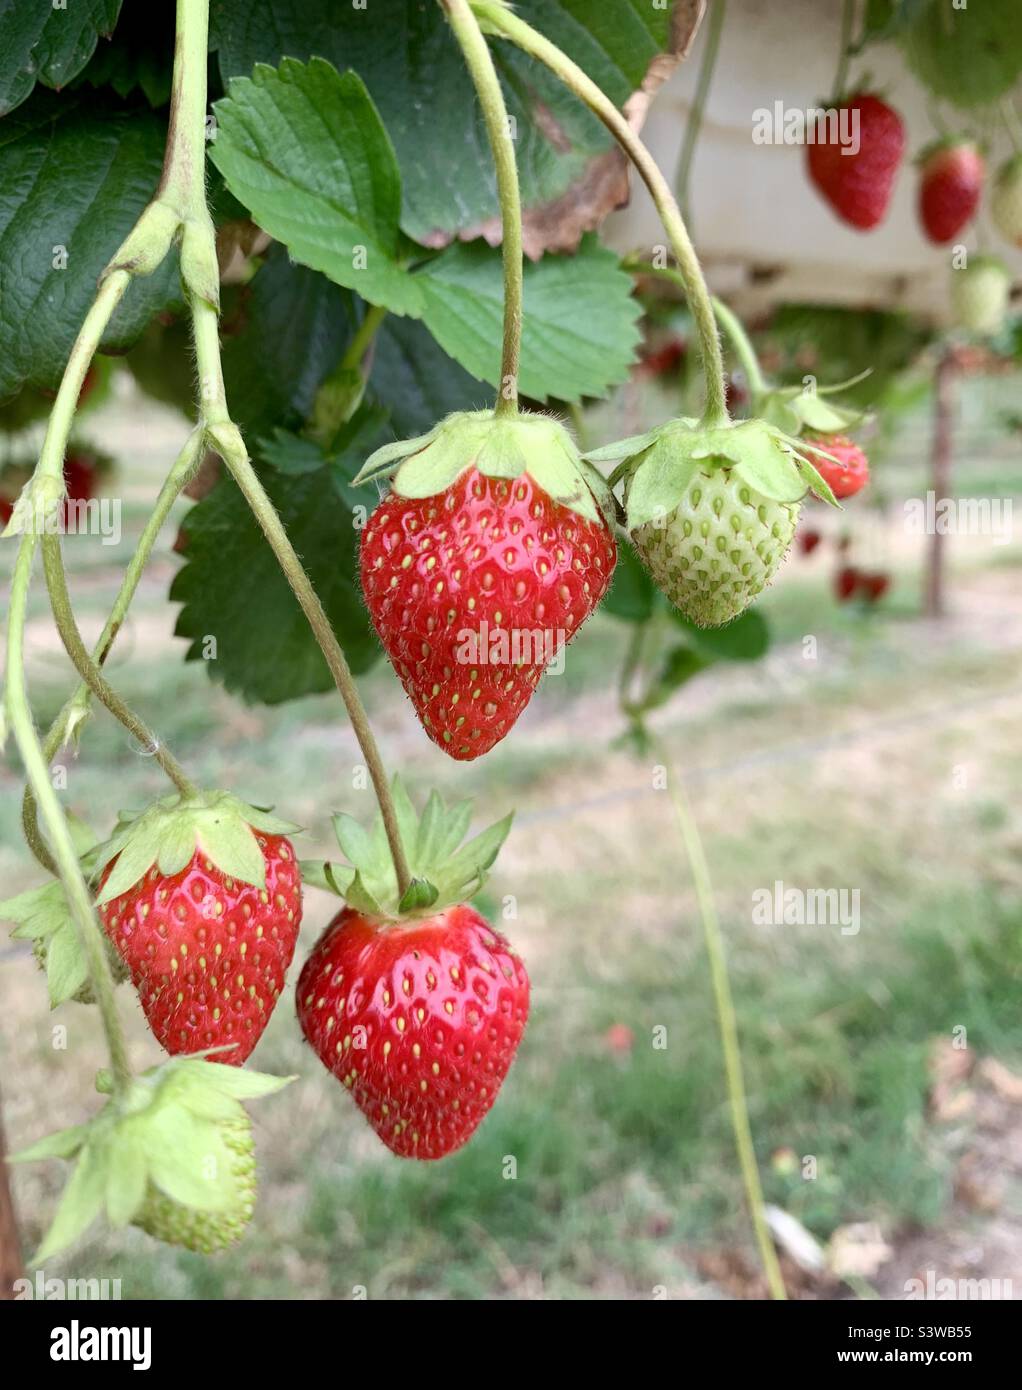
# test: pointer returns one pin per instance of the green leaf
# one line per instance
(82, 170)
(745, 639)
(303, 148)
(283, 332)
(580, 318)
(47, 43)
(415, 73)
(415, 380)
(680, 665)
(632, 594)
(139, 57)
(233, 590)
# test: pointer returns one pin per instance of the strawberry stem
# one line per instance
(77, 705)
(500, 20)
(87, 929)
(63, 616)
(728, 1026)
(479, 62)
(694, 123)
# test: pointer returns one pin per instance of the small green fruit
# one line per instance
(718, 549)
(207, 1231)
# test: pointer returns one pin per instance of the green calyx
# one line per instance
(793, 409)
(444, 871)
(43, 917)
(499, 446)
(172, 1154)
(168, 834)
(660, 466)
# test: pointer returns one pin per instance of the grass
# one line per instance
(846, 770)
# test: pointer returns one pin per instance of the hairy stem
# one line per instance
(728, 1026)
(224, 436)
(87, 928)
(77, 705)
(340, 393)
(63, 616)
(479, 62)
(744, 351)
(500, 20)
(694, 123)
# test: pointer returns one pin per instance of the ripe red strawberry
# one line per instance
(475, 586)
(808, 539)
(846, 477)
(873, 585)
(950, 184)
(858, 186)
(208, 923)
(419, 1020)
(846, 582)
(414, 1002)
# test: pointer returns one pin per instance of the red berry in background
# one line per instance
(850, 474)
(6, 510)
(846, 582)
(452, 580)
(207, 953)
(735, 396)
(619, 1038)
(419, 1019)
(808, 540)
(950, 184)
(665, 359)
(859, 186)
(873, 585)
(80, 476)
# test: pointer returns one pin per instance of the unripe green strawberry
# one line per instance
(207, 1231)
(712, 509)
(1006, 200)
(170, 1152)
(979, 295)
(718, 549)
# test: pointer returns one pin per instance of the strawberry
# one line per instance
(874, 585)
(950, 184)
(172, 1154)
(486, 558)
(1006, 200)
(979, 295)
(858, 186)
(201, 897)
(207, 1231)
(416, 1004)
(441, 1004)
(808, 539)
(712, 510)
(850, 473)
(846, 582)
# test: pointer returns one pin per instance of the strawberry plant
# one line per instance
(377, 295)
